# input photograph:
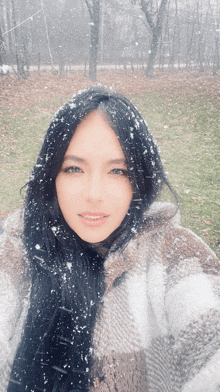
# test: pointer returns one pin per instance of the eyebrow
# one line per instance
(73, 158)
(78, 159)
(121, 160)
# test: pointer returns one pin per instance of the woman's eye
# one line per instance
(121, 172)
(73, 169)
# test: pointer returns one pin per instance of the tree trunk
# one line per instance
(61, 65)
(1, 48)
(94, 12)
(38, 63)
(16, 41)
(216, 62)
(93, 52)
(152, 55)
(190, 41)
(175, 45)
(26, 60)
(10, 44)
(156, 28)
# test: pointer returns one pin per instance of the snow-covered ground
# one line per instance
(5, 69)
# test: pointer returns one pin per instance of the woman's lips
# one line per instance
(93, 219)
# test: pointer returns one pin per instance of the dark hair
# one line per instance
(68, 274)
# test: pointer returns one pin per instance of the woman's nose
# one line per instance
(95, 188)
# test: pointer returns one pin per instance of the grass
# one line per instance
(188, 132)
(20, 141)
(182, 110)
(22, 133)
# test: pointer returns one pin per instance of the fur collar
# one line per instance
(157, 218)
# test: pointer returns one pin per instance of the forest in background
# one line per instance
(180, 33)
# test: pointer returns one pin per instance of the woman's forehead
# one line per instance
(94, 136)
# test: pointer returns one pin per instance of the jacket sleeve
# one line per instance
(13, 297)
(192, 306)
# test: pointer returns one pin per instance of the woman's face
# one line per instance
(93, 188)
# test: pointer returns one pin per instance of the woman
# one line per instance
(101, 288)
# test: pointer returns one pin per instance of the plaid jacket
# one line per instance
(158, 327)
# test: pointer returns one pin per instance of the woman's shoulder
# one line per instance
(178, 242)
(13, 225)
(174, 249)
(11, 239)
(11, 248)
(163, 240)
(14, 291)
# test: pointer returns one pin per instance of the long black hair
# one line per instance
(68, 274)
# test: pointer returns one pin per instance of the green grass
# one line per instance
(187, 130)
(188, 134)
(22, 132)
(20, 142)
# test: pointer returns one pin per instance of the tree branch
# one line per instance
(89, 8)
(144, 7)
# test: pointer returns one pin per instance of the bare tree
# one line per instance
(155, 18)
(9, 26)
(94, 12)
(175, 42)
(20, 72)
(1, 48)
(216, 28)
(165, 44)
